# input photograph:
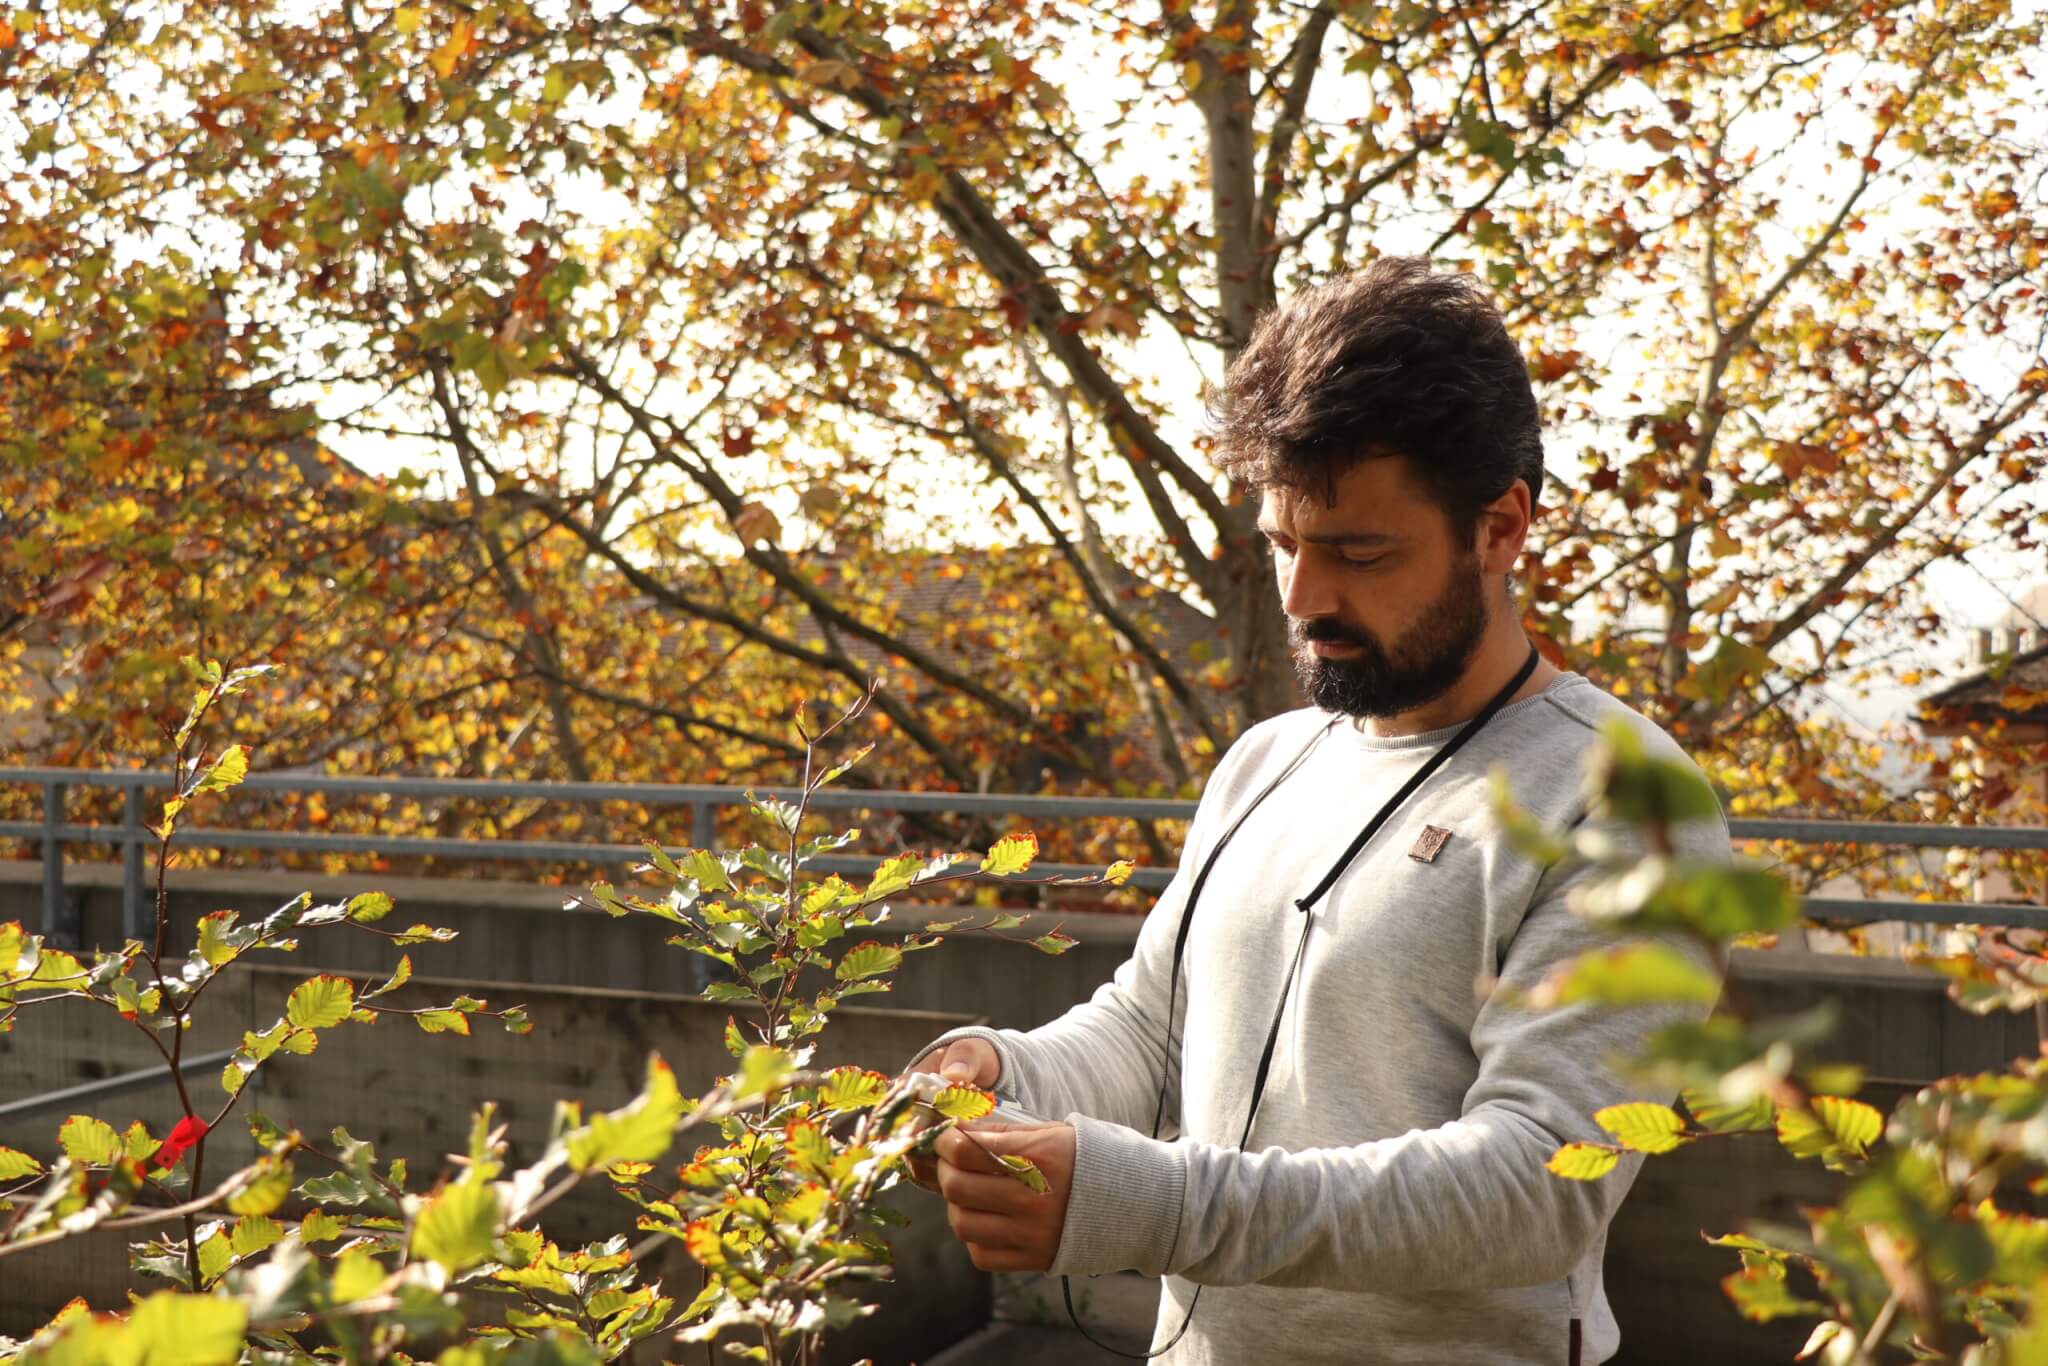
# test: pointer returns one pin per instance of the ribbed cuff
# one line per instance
(1123, 1212)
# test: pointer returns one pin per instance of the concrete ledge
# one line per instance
(1090, 927)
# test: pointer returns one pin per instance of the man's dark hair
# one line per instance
(1393, 359)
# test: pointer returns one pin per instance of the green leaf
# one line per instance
(1642, 1126)
(16, 1164)
(368, 907)
(443, 1022)
(1643, 973)
(892, 876)
(169, 1329)
(851, 1088)
(1582, 1162)
(321, 1227)
(705, 869)
(216, 1254)
(227, 771)
(1635, 789)
(1751, 1116)
(762, 1069)
(458, 1226)
(89, 1140)
(1055, 942)
(963, 1102)
(253, 1234)
(1761, 1293)
(357, 1275)
(265, 1192)
(1836, 1129)
(641, 1131)
(870, 959)
(1025, 1170)
(400, 975)
(320, 1002)
(214, 944)
(1010, 855)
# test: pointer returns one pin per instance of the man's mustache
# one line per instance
(1328, 631)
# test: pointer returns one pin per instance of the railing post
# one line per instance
(703, 825)
(57, 926)
(135, 917)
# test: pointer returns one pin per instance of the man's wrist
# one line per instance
(1124, 1204)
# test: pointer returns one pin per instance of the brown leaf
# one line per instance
(755, 522)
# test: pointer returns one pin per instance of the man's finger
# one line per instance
(1007, 1259)
(981, 1229)
(967, 1152)
(1003, 1194)
(969, 1061)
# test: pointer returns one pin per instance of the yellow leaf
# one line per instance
(1582, 1162)
(1643, 1127)
(449, 53)
(1010, 854)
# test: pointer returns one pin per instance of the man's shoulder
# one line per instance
(1579, 709)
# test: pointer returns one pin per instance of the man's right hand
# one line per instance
(967, 1062)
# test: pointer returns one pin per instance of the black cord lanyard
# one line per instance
(1304, 904)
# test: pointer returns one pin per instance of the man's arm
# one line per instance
(1107, 1057)
(1467, 1203)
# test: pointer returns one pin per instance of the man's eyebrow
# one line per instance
(1370, 540)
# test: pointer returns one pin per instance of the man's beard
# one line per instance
(1425, 662)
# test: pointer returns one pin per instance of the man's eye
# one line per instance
(1366, 563)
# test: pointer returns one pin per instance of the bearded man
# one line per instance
(1291, 1103)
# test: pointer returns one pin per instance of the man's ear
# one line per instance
(1503, 530)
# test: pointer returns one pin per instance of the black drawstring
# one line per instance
(1306, 905)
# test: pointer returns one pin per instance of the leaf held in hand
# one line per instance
(963, 1102)
(1582, 1162)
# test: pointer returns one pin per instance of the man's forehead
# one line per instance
(1363, 510)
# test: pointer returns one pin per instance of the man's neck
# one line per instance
(1498, 658)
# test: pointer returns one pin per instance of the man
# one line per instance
(1390, 1203)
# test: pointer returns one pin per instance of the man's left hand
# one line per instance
(1006, 1225)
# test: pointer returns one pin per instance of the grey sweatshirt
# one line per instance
(1391, 1205)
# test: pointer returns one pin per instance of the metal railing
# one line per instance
(703, 801)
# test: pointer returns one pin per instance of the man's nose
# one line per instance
(1305, 589)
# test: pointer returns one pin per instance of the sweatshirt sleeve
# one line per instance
(1106, 1057)
(1467, 1203)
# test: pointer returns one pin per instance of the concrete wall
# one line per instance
(1662, 1279)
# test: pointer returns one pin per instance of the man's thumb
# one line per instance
(957, 1069)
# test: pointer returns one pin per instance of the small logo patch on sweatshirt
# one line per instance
(1429, 844)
